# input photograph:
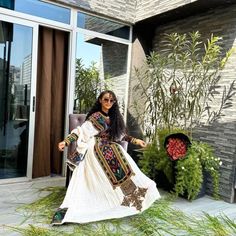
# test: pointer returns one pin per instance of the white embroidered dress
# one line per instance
(107, 184)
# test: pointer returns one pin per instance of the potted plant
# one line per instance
(191, 171)
(186, 176)
(177, 85)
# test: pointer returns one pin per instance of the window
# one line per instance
(39, 8)
(101, 25)
(100, 64)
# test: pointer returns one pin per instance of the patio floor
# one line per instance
(14, 195)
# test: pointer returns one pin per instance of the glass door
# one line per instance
(17, 92)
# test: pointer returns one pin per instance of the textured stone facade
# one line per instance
(149, 8)
(129, 11)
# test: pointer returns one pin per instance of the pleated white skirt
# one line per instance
(90, 196)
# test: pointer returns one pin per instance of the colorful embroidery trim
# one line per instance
(70, 138)
(98, 121)
(59, 215)
(115, 165)
(134, 196)
(113, 162)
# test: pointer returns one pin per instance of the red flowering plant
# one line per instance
(176, 146)
(176, 149)
(158, 159)
(191, 161)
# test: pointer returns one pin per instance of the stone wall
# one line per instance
(148, 8)
(222, 134)
(130, 11)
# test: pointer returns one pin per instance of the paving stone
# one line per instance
(19, 194)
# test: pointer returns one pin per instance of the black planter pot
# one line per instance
(202, 191)
(163, 183)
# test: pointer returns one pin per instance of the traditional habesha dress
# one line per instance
(107, 184)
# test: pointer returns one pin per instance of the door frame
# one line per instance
(35, 22)
(34, 27)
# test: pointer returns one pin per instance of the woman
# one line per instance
(107, 183)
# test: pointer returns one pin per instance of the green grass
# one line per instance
(160, 219)
(43, 209)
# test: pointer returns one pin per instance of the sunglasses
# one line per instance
(108, 100)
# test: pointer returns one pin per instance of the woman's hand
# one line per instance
(61, 146)
(141, 143)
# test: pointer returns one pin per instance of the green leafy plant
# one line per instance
(154, 160)
(185, 176)
(189, 175)
(178, 83)
(190, 171)
(210, 163)
(87, 86)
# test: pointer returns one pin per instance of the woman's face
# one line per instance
(107, 102)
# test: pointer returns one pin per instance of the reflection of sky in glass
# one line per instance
(21, 45)
(81, 20)
(87, 51)
(43, 9)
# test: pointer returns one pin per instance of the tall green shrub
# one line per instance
(178, 82)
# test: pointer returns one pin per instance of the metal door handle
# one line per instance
(33, 103)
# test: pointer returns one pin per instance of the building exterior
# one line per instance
(116, 36)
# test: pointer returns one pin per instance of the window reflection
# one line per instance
(39, 8)
(114, 59)
(100, 64)
(88, 79)
(101, 25)
(15, 84)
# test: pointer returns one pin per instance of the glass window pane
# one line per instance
(100, 64)
(39, 8)
(101, 25)
(114, 61)
(15, 85)
(88, 74)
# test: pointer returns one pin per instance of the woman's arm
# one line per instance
(81, 133)
(67, 141)
(61, 146)
(133, 140)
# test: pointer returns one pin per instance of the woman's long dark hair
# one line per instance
(117, 122)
